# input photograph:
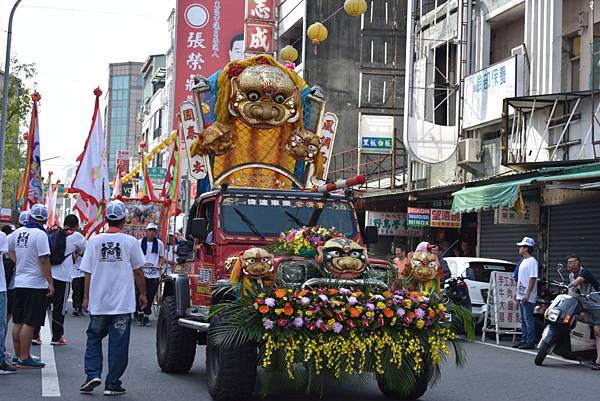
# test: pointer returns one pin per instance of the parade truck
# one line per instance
(274, 263)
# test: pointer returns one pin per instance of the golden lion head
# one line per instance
(423, 267)
(256, 262)
(343, 258)
(303, 145)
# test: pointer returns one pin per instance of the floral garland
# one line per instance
(303, 241)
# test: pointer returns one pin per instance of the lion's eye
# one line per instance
(253, 96)
(432, 264)
(355, 254)
(312, 147)
(279, 98)
(416, 263)
(265, 260)
(250, 261)
(334, 254)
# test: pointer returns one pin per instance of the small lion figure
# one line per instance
(423, 268)
(252, 269)
(303, 145)
(343, 258)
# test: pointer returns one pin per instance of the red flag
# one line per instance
(30, 188)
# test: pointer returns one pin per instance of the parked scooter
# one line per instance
(566, 332)
(457, 292)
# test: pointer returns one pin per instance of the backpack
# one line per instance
(58, 245)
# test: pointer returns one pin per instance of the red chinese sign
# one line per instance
(259, 37)
(261, 10)
(445, 218)
(330, 123)
(209, 33)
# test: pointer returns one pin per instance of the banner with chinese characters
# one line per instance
(503, 307)
(418, 217)
(391, 224)
(209, 33)
(508, 215)
(190, 128)
(123, 160)
(445, 218)
(259, 26)
(330, 123)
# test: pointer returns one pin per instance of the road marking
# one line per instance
(523, 351)
(50, 384)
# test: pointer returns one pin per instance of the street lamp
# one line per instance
(5, 94)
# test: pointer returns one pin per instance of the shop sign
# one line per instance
(445, 218)
(418, 217)
(376, 134)
(259, 37)
(262, 10)
(507, 215)
(502, 307)
(391, 224)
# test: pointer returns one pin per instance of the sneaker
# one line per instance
(146, 321)
(517, 344)
(140, 319)
(16, 360)
(90, 384)
(60, 341)
(30, 363)
(37, 341)
(527, 346)
(114, 389)
(76, 313)
(7, 369)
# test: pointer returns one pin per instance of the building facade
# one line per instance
(124, 100)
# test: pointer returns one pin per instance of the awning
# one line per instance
(505, 194)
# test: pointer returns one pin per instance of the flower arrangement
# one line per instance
(303, 241)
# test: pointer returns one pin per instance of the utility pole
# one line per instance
(5, 90)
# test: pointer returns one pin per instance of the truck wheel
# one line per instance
(396, 392)
(543, 351)
(230, 372)
(175, 345)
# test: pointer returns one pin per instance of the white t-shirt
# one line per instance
(75, 246)
(11, 285)
(3, 250)
(153, 259)
(170, 255)
(29, 244)
(111, 259)
(527, 269)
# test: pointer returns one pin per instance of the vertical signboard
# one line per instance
(209, 33)
(123, 161)
(259, 26)
(330, 123)
(502, 315)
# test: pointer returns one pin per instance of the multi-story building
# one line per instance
(124, 100)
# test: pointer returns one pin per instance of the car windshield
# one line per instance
(272, 215)
(481, 271)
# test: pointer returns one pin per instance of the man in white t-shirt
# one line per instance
(154, 252)
(77, 282)
(5, 367)
(29, 248)
(111, 263)
(527, 292)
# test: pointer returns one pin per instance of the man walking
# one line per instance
(5, 367)
(77, 279)
(154, 252)
(527, 292)
(28, 247)
(111, 263)
(61, 276)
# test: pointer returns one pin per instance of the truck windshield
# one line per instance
(272, 215)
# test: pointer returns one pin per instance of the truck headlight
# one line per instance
(553, 314)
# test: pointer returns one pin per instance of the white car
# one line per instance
(476, 272)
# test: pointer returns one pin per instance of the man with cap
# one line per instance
(110, 258)
(5, 366)
(154, 252)
(527, 292)
(29, 248)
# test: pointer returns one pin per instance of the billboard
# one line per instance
(209, 33)
(376, 134)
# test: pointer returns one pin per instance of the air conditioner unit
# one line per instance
(469, 151)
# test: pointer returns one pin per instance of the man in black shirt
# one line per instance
(586, 282)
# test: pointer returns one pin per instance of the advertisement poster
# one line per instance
(209, 33)
(418, 217)
(445, 218)
(503, 304)
(140, 214)
(391, 224)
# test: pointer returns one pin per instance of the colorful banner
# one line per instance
(445, 218)
(30, 189)
(209, 33)
(418, 217)
(391, 224)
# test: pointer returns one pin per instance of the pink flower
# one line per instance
(268, 324)
(270, 302)
(298, 322)
(420, 313)
(337, 328)
(352, 300)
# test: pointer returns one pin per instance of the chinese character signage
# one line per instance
(376, 134)
(260, 10)
(503, 309)
(445, 218)
(123, 160)
(418, 217)
(191, 131)
(209, 33)
(508, 215)
(259, 37)
(391, 224)
(328, 129)
(485, 91)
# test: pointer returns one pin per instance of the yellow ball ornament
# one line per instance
(205, 108)
(168, 141)
(355, 8)
(289, 53)
(155, 150)
(317, 33)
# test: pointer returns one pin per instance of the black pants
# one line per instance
(151, 289)
(58, 300)
(78, 285)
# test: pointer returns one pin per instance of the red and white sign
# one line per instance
(261, 10)
(259, 37)
(209, 33)
(123, 160)
(445, 218)
(191, 132)
(328, 129)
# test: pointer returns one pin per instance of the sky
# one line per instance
(72, 42)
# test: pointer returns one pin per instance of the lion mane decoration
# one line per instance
(252, 269)
(423, 268)
(259, 139)
(342, 258)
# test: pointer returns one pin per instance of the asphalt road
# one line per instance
(493, 373)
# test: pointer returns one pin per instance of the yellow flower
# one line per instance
(420, 324)
(380, 305)
(278, 311)
(309, 313)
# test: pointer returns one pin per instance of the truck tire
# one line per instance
(230, 372)
(394, 392)
(175, 345)
(543, 351)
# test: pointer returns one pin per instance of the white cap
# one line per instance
(39, 212)
(423, 247)
(23, 217)
(526, 241)
(116, 210)
(151, 226)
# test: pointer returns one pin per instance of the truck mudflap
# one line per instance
(178, 286)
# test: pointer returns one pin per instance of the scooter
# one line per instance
(566, 332)
(457, 292)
